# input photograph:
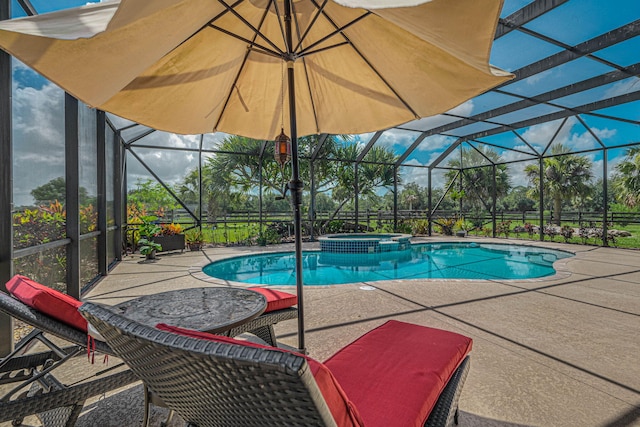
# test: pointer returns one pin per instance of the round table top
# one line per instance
(212, 310)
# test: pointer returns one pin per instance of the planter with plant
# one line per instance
(194, 239)
(463, 227)
(170, 237)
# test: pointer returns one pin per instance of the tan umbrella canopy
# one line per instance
(199, 66)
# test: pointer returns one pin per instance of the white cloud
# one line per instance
(394, 136)
(38, 135)
(420, 175)
(622, 88)
(465, 109)
(516, 173)
(436, 142)
(509, 155)
(540, 135)
(38, 148)
(533, 80)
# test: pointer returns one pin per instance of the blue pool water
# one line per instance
(422, 261)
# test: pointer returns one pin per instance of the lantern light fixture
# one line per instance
(282, 149)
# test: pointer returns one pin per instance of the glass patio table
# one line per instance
(213, 310)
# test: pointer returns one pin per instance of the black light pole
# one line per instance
(295, 185)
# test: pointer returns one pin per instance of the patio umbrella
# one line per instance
(199, 66)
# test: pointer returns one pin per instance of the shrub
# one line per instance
(420, 226)
(404, 227)
(446, 225)
(550, 230)
(529, 228)
(504, 227)
(567, 233)
(334, 226)
(269, 236)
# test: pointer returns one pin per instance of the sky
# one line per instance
(38, 105)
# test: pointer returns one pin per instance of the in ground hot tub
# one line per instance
(364, 243)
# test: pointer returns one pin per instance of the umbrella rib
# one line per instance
(313, 20)
(282, 32)
(391, 88)
(338, 30)
(252, 44)
(322, 49)
(248, 24)
(304, 65)
(244, 61)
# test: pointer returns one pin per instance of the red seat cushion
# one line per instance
(344, 412)
(60, 306)
(276, 300)
(395, 373)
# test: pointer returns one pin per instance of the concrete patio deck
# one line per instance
(558, 351)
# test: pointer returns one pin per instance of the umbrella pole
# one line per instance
(295, 185)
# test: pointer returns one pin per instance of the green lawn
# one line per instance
(632, 242)
(242, 233)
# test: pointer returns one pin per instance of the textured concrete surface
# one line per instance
(558, 351)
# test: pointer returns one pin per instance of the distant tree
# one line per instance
(594, 201)
(627, 182)
(566, 178)
(517, 200)
(151, 196)
(230, 179)
(324, 203)
(375, 171)
(477, 182)
(56, 190)
(413, 196)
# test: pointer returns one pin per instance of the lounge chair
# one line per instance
(33, 387)
(398, 374)
(58, 404)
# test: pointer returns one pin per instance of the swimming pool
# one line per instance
(423, 261)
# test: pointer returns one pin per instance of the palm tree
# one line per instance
(566, 177)
(627, 183)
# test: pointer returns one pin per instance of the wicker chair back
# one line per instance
(211, 383)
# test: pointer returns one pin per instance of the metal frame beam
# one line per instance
(6, 186)
(162, 183)
(583, 49)
(583, 109)
(72, 198)
(101, 155)
(527, 14)
(369, 146)
(120, 192)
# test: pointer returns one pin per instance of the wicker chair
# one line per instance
(29, 379)
(218, 381)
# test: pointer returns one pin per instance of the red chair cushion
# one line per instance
(343, 411)
(60, 306)
(395, 373)
(276, 300)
